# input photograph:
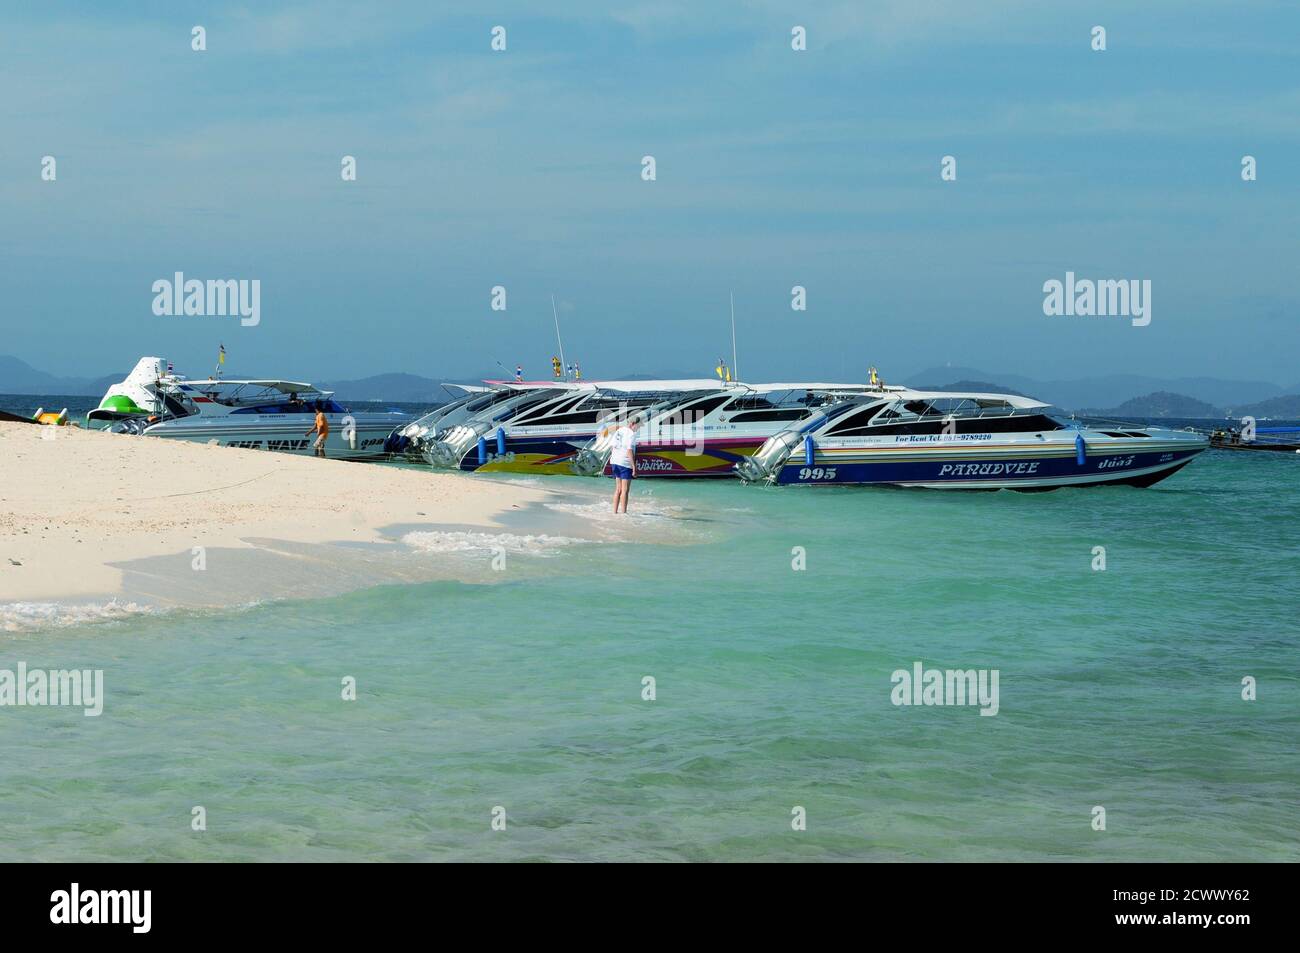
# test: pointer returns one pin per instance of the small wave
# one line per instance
(528, 481)
(435, 541)
(29, 616)
(603, 512)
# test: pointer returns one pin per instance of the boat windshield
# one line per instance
(477, 404)
(779, 406)
(953, 415)
(588, 408)
(745, 407)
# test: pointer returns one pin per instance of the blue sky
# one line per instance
(775, 168)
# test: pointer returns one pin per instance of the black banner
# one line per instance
(944, 903)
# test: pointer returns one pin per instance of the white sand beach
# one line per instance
(75, 504)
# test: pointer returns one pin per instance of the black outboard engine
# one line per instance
(397, 442)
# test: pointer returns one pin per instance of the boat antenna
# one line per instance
(735, 365)
(558, 340)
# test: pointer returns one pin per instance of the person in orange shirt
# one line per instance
(321, 429)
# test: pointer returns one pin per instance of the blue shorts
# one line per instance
(620, 473)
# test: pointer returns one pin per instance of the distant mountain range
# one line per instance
(400, 388)
(1119, 394)
(1165, 404)
(19, 377)
(1160, 403)
(977, 387)
(1114, 389)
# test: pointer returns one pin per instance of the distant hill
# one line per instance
(1287, 408)
(19, 377)
(1109, 390)
(978, 387)
(405, 388)
(1160, 404)
(1240, 397)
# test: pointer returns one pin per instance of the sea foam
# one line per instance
(29, 616)
(458, 541)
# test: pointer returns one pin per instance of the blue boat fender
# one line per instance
(482, 451)
(808, 450)
(501, 442)
(1080, 450)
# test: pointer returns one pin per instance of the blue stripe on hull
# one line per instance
(550, 446)
(994, 474)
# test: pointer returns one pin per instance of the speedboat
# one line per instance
(480, 409)
(705, 434)
(253, 414)
(545, 435)
(903, 437)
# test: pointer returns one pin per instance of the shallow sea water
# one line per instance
(521, 687)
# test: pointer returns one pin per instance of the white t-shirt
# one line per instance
(620, 453)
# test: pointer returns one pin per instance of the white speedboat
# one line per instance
(902, 437)
(253, 414)
(706, 433)
(546, 435)
(480, 409)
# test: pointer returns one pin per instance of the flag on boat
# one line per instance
(221, 354)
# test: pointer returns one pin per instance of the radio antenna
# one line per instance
(735, 365)
(564, 368)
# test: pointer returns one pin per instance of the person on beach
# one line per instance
(622, 462)
(321, 429)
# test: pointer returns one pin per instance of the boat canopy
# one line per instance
(987, 401)
(284, 387)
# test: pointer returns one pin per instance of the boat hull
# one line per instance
(555, 455)
(538, 455)
(712, 458)
(272, 432)
(1021, 471)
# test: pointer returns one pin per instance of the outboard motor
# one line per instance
(131, 425)
(767, 461)
(397, 442)
(451, 446)
(437, 453)
(591, 459)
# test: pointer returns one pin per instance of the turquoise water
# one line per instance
(1119, 688)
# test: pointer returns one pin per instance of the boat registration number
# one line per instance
(817, 473)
